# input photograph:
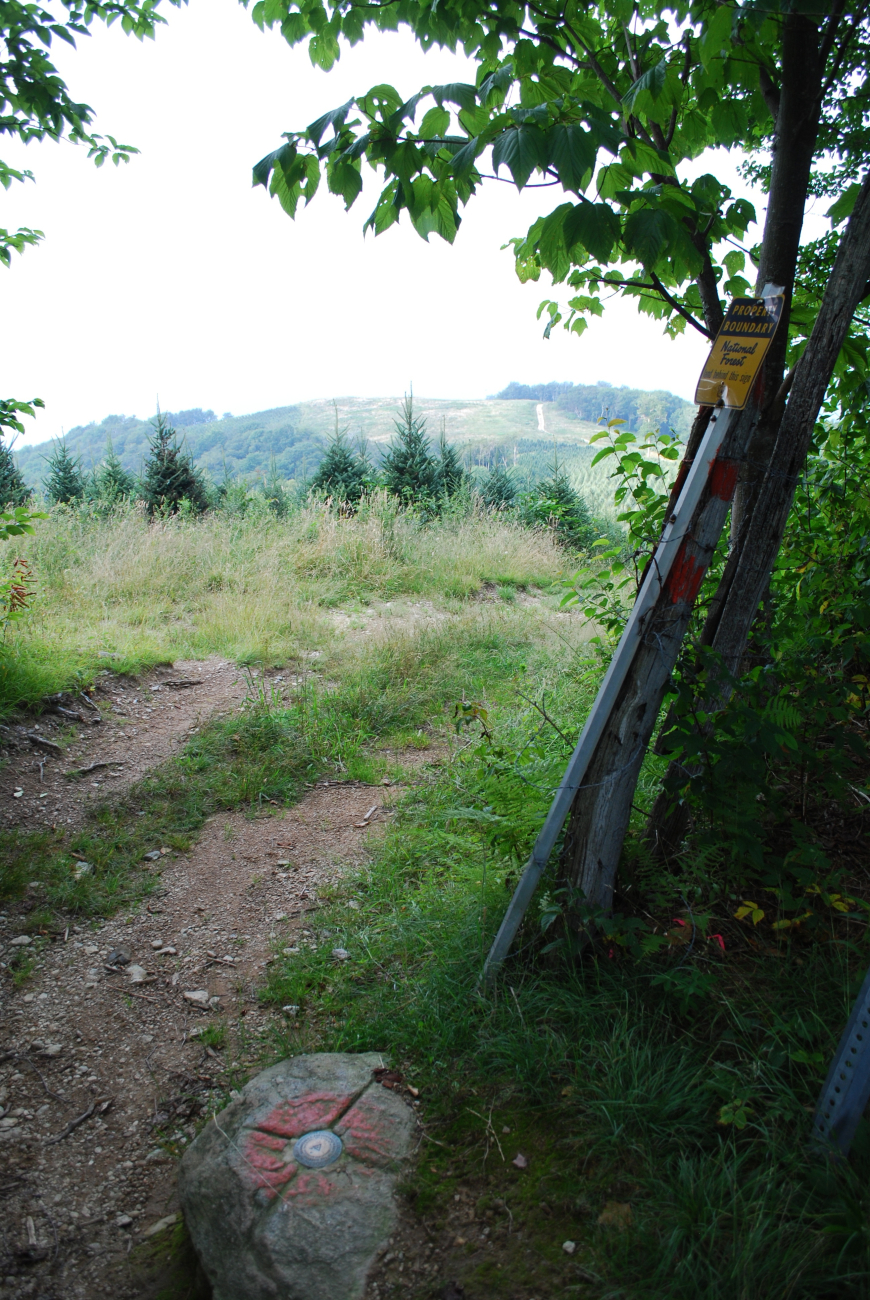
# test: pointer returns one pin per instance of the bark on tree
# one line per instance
(600, 813)
(601, 809)
(749, 567)
(797, 125)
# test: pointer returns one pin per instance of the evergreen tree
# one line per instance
(13, 490)
(498, 490)
(113, 483)
(65, 482)
(409, 469)
(555, 504)
(451, 474)
(275, 492)
(170, 476)
(343, 474)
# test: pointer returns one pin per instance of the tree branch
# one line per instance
(769, 91)
(632, 60)
(687, 315)
(554, 45)
(659, 288)
(831, 32)
(841, 54)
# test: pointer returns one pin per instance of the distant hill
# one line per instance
(640, 408)
(519, 426)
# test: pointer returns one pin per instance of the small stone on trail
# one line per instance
(569, 1247)
(520, 1161)
(340, 954)
(119, 957)
(21, 942)
(137, 974)
(161, 1224)
(264, 1227)
(153, 856)
(123, 1221)
(199, 997)
(156, 943)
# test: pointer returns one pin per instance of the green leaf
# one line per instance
(496, 84)
(844, 205)
(465, 158)
(522, 149)
(573, 151)
(595, 227)
(551, 243)
(652, 82)
(647, 235)
(335, 118)
(344, 178)
(435, 123)
(717, 34)
(456, 92)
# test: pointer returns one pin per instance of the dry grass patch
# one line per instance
(252, 588)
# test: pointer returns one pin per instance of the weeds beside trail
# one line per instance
(254, 588)
(665, 1134)
(659, 1088)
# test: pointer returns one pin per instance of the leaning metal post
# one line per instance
(847, 1087)
(657, 573)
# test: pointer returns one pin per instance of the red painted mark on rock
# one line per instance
(264, 1162)
(311, 1185)
(290, 1119)
(723, 479)
(685, 577)
(368, 1133)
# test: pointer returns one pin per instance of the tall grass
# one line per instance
(613, 1088)
(255, 588)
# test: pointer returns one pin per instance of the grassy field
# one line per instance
(255, 589)
(663, 1103)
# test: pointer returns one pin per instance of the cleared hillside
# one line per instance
(522, 431)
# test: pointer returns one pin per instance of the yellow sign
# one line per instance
(738, 351)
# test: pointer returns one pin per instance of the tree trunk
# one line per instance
(750, 566)
(601, 808)
(796, 133)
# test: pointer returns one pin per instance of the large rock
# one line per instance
(264, 1226)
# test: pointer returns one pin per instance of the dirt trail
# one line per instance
(81, 1038)
(128, 728)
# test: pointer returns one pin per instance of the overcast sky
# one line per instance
(170, 278)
